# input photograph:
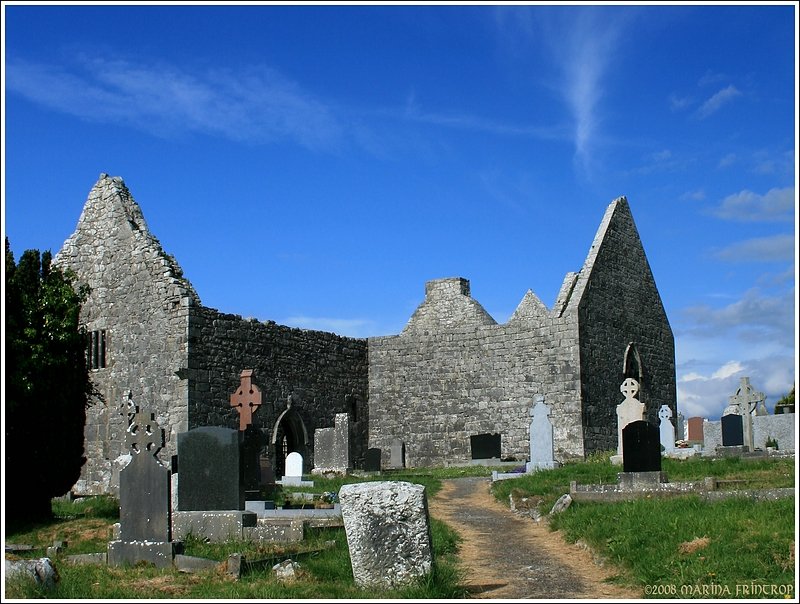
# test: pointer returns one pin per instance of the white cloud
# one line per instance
(777, 248)
(251, 104)
(746, 206)
(726, 161)
(727, 370)
(677, 103)
(715, 102)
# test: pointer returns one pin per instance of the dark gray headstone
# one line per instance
(209, 471)
(253, 443)
(144, 499)
(732, 430)
(485, 446)
(641, 447)
(372, 460)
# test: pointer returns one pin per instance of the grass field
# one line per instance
(676, 547)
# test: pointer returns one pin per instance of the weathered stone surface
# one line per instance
(216, 526)
(561, 504)
(388, 532)
(158, 553)
(42, 571)
(332, 446)
(209, 469)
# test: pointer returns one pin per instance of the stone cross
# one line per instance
(629, 410)
(246, 399)
(144, 434)
(666, 429)
(747, 400)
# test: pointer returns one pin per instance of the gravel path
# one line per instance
(507, 556)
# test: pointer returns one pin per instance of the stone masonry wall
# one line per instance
(140, 299)
(617, 303)
(325, 373)
(439, 382)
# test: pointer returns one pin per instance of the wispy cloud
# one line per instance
(677, 103)
(716, 101)
(255, 104)
(777, 248)
(726, 161)
(747, 206)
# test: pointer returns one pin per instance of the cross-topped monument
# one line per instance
(747, 401)
(246, 400)
(628, 411)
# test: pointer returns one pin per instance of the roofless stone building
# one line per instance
(452, 373)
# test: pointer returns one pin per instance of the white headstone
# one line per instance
(667, 430)
(629, 410)
(294, 464)
(541, 437)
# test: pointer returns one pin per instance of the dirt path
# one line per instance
(506, 556)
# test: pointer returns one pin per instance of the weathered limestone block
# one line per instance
(41, 571)
(388, 532)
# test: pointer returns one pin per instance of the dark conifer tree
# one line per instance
(47, 386)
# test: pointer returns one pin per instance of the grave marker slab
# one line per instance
(209, 470)
(541, 437)
(694, 430)
(629, 410)
(332, 446)
(372, 460)
(388, 532)
(293, 475)
(666, 429)
(397, 455)
(641, 447)
(144, 498)
(732, 430)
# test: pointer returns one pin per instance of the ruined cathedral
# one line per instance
(452, 373)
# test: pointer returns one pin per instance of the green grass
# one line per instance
(686, 542)
(679, 546)
(325, 573)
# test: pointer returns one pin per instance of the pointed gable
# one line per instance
(530, 309)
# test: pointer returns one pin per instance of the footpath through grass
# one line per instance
(681, 547)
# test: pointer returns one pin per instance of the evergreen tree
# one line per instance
(47, 387)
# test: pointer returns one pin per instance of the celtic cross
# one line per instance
(246, 399)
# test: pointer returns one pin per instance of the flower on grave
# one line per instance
(682, 444)
(328, 497)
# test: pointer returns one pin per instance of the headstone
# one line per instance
(397, 455)
(748, 402)
(144, 499)
(629, 410)
(485, 446)
(209, 470)
(680, 427)
(388, 532)
(332, 446)
(666, 429)
(293, 473)
(694, 431)
(372, 460)
(541, 437)
(254, 442)
(732, 430)
(641, 448)
(247, 399)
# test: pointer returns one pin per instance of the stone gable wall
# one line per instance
(617, 303)
(325, 373)
(432, 388)
(139, 297)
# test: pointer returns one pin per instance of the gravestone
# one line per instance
(641, 448)
(746, 402)
(732, 430)
(332, 446)
(209, 470)
(397, 455)
(629, 410)
(541, 437)
(293, 473)
(144, 499)
(485, 446)
(388, 532)
(254, 442)
(247, 399)
(372, 460)
(680, 427)
(666, 429)
(694, 430)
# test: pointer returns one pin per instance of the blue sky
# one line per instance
(316, 165)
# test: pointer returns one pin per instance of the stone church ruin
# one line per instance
(452, 373)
